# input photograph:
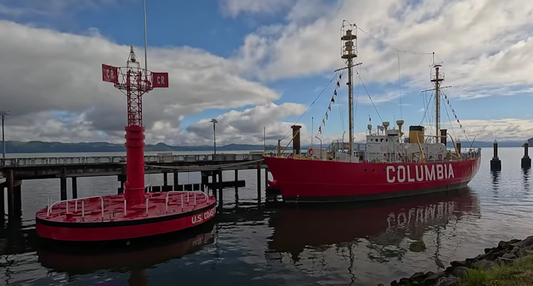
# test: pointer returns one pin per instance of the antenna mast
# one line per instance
(145, 44)
(437, 77)
(348, 53)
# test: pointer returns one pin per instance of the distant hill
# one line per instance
(59, 147)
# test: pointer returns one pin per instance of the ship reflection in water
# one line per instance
(135, 260)
(371, 233)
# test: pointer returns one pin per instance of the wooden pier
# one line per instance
(16, 170)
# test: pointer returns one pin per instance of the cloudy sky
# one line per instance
(258, 66)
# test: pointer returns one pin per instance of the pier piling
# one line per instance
(266, 177)
(175, 180)
(214, 182)
(17, 197)
(495, 163)
(74, 187)
(2, 205)
(259, 182)
(204, 179)
(236, 187)
(122, 179)
(526, 160)
(220, 187)
(10, 193)
(63, 184)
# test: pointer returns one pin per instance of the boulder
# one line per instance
(459, 263)
(433, 278)
(524, 243)
(404, 281)
(418, 276)
(500, 260)
(447, 281)
(508, 255)
(459, 272)
(525, 252)
(484, 264)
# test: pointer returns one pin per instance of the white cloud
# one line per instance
(51, 8)
(247, 126)
(488, 130)
(235, 7)
(487, 46)
(43, 71)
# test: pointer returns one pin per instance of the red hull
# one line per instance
(334, 181)
(66, 223)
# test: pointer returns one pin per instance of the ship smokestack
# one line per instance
(443, 136)
(296, 139)
(416, 134)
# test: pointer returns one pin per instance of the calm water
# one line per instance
(353, 245)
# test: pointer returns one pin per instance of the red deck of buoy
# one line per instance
(110, 218)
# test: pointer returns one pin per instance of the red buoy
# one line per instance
(138, 212)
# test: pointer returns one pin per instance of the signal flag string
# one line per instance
(318, 96)
(332, 100)
(455, 115)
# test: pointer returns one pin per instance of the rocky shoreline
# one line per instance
(505, 252)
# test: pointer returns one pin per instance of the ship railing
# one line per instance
(472, 153)
(148, 187)
(185, 196)
(50, 206)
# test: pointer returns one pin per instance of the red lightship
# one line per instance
(388, 165)
(136, 213)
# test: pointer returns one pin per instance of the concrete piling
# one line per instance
(495, 163)
(526, 160)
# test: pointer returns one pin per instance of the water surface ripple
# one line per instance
(361, 244)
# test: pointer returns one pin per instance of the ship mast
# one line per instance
(348, 53)
(437, 77)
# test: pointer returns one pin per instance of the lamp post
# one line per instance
(3, 114)
(214, 138)
(320, 145)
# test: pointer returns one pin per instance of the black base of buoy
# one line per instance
(495, 165)
(526, 162)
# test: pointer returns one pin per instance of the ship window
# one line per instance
(381, 139)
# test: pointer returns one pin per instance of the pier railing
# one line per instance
(100, 160)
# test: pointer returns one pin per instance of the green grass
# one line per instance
(519, 273)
